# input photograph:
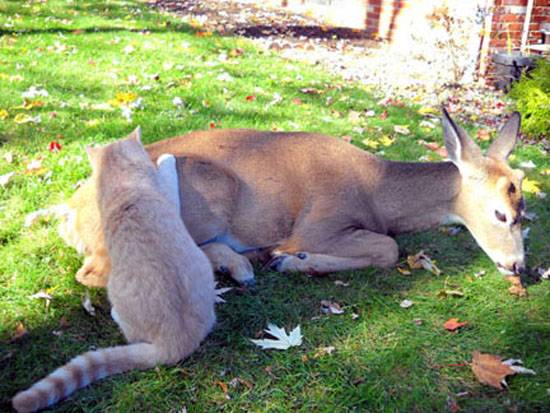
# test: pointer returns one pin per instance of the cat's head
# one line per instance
(127, 153)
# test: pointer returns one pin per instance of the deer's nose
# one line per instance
(518, 267)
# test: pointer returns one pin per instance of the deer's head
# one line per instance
(490, 201)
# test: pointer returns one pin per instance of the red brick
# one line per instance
(512, 18)
(514, 2)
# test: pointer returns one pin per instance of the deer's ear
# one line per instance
(507, 138)
(92, 153)
(460, 148)
(136, 135)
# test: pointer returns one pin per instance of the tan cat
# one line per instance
(161, 284)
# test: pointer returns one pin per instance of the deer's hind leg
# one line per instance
(349, 250)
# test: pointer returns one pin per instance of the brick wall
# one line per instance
(397, 20)
(507, 27)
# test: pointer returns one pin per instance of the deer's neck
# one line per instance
(417, 196)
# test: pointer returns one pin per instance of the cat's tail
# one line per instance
(85, 369)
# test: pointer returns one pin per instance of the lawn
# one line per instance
(99, 69)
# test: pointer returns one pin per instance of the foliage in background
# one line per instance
(532, 96)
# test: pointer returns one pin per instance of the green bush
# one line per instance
(532, 96)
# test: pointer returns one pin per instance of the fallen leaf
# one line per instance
(530, 186)
(418, 321)
(283, 340)
(384, 115)
(402, 270)
(250, 98)
(235, 382)
(516, 288)
(428, 110)
(434, 147)
(385, 140)
(450, 293)
(329, 307)
(354, 116)
(422, 260)
(371, 143)
(310, 91)
(20, 331)
(452, 405)
(341, 283)
(29, 104)
(34, 167)
(22, 118)
(402, 129)
(122, 99)
(224, 388)
(527, 164)
(219, 292)
(87, 304)
(483, 135)
(323, 351)
(406, 304)
(6, 178)
(452, 324)
(480, 274)
(54, 146)
(297, 101)
(8, 157)
(491, 370)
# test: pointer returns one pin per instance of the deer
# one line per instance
(306, 202)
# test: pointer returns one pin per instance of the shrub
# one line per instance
(532, 96)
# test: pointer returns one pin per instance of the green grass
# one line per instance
(382, 361)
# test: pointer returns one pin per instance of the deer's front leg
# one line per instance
(358, 249)
(226, 261)
(95, 271)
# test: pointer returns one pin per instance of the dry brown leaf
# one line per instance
(224, 388)
(452, 324)
(20, 331)
(434, 147)
(516, 288)
(491, 370)
(330, 307)
(422, 260)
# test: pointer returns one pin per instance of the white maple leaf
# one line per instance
(283, 340)
(219, 292)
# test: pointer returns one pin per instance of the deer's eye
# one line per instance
(512, 189)
(500, 216)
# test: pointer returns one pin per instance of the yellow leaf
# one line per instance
(427, 110)
(29, 104)
(530, 186)
(371, 143)
(123, 99)
(3, 114)
(386, 140)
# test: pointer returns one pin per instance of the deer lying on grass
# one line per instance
(319, 205)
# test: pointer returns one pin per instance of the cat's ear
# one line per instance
(136, 135)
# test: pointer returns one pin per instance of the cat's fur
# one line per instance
(161, 284)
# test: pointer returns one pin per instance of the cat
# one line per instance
(161, 285)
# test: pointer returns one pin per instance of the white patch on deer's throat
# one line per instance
(166, 164)
(451, 219)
